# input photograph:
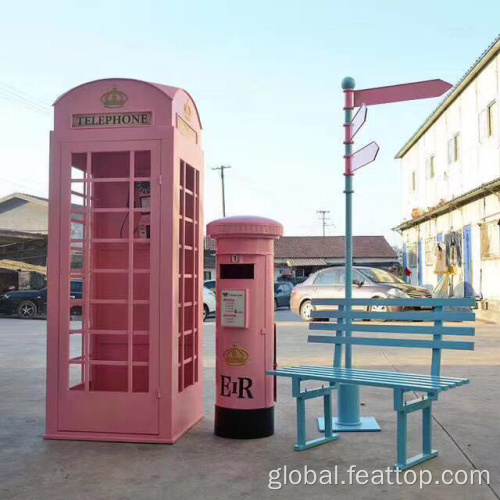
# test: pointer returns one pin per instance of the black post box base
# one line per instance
(244, 424)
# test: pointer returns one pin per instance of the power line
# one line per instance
(323, 218)
(222, 168)
(11, 94)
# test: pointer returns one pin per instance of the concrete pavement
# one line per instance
(200, 465)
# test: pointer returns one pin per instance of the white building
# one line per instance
(451, 183)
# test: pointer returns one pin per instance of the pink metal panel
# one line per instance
(403, 92)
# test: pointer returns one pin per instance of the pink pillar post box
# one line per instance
(124, 357)
(244, 326)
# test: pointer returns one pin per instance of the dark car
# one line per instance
(27, 304)
(282, 294)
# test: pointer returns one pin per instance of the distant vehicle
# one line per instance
(369, 283)
(282, 294)
(210, 284)
(27, 304)
(209, 302)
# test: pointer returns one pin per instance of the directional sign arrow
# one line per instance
(403, 92)
(362, 157)
(356, 123)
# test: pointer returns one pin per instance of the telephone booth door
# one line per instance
(108, 334)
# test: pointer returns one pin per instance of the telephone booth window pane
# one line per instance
(108, 165)
(109, 286)
(106, 316)
(142, 164)
(111, 256)
(112, 378)
(76, 377)
(109, 347)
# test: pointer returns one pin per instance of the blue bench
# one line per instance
(441, 311)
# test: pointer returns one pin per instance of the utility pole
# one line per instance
(323, 218)
(222, 168)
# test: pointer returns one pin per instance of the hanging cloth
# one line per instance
(440, 253)
(453, 242)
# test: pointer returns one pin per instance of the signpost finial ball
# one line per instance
(348, 83)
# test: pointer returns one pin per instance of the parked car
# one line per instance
(282, 294)
(369, 283)
(210, 284)
(27, 304)
(209, 302)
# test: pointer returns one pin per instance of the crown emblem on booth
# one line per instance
(236, 356)
(114, 98)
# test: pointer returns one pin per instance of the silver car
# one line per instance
(369, 283)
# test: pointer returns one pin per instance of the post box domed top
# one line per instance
(125, 103)
(244, 226)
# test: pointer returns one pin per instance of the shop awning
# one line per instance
(305, 262)
(14, 265)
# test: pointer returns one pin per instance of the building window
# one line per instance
(414, 181)
(429, 251)
(207, 275)
(429, 167)
(490, 240)
(487, 122)
(454, 149)
(492, 110)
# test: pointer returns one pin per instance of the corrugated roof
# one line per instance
(468, 197)
(451, 95)
(305, 262)
(331, 247)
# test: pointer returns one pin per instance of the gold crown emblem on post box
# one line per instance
(114, 98)
(236, 356)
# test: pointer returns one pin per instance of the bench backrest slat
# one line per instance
(463, 302)
(396, 329)
(397, 316)
(425, 344)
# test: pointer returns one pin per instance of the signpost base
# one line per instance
(367, 424)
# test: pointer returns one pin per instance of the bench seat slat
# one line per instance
(403, 329)
(445, 302)
(399, 381)
(397, 316)
(417, 376)
(422, 344)
(377, 379)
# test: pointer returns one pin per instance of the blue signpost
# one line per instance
(348, 402)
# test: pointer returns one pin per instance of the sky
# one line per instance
(265, 76)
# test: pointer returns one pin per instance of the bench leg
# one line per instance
(402, 431)
(302, 443)
(301, 424)
(402, 436)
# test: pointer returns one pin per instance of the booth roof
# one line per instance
(168, 90)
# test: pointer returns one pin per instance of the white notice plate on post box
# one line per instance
(234, 305)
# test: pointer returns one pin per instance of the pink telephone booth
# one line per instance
(125, 264)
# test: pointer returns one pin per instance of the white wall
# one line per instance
(479, 161)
